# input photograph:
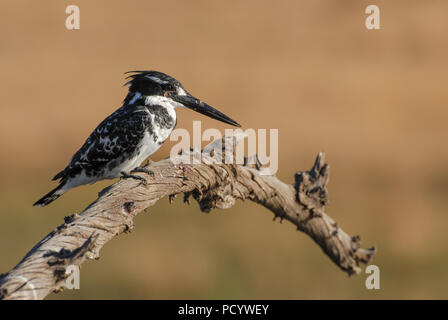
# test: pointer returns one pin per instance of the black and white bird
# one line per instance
(119, 145)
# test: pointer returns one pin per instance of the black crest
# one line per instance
(151, 82)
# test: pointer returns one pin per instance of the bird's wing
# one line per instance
(117, 137)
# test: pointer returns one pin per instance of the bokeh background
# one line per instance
(374, 101)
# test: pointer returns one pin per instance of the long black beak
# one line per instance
(199, 106)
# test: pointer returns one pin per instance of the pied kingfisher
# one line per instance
(118, 146)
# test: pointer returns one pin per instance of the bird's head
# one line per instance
(159, 88)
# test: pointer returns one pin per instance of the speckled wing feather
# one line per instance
(114, 140)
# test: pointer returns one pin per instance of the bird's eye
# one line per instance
(169, 87)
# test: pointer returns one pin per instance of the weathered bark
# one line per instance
(213, 185)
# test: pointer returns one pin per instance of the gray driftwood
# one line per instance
(213, 185)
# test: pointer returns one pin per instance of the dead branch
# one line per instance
(212, 185)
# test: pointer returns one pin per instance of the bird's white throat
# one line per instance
(162, 101)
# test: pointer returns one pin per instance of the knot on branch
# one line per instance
(360, 255)
(69, 219)
(311, 186)
(64, 257)
(219, 193)
(217, 196)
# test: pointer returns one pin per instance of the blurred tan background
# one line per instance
(374, 101)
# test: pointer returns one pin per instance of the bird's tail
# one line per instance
(51, 196)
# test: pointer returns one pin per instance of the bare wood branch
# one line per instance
(213, 185)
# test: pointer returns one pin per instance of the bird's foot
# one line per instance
(144, 170)
(125, 175)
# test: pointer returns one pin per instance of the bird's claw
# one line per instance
(125, 175)
(144, 170)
